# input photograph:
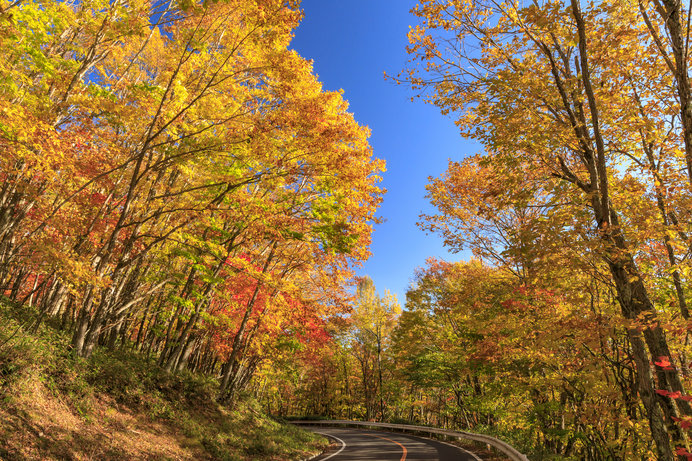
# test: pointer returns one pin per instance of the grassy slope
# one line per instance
(119, 406)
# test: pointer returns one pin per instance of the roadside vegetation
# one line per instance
(182, 206)
(568, 333)
(118, 405)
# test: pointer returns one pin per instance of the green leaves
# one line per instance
(178, 177)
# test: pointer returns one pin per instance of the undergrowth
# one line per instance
(119, 405)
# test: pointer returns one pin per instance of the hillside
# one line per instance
(118, 405)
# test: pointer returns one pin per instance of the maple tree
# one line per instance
(176, 179)
(581, 110)
(523, 359)
(349, 373)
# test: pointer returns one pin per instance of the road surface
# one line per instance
(363, 445)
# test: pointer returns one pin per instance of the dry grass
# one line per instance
(38, 425)
(120, 407)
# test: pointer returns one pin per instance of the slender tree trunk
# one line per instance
(82, 324)
(174, 357)
(226, 392)
(672, 15)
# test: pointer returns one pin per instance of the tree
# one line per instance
(560, 98)
(372, 322)
(486, 349)
(171, 170)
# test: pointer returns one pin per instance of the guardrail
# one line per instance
(498, 444)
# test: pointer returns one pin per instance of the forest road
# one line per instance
(360, 445)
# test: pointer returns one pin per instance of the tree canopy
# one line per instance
(175, 179)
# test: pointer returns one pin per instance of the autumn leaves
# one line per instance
(175, 180)
(159, 156)
(584, 185)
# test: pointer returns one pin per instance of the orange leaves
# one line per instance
(181, 146)
(415, 34)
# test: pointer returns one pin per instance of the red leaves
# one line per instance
(680, 451)
(664, 362)
(685, 422)
(674, 395)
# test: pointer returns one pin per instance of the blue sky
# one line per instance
(352, 44)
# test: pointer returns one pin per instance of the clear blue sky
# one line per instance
(352, 43)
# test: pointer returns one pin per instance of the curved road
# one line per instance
(360, 445)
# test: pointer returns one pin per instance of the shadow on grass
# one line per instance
(24, 440)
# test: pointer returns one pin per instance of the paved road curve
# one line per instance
(361, 445)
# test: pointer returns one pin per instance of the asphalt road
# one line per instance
(362, 445)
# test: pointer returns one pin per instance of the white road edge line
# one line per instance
(343, 444)
(475, 456)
